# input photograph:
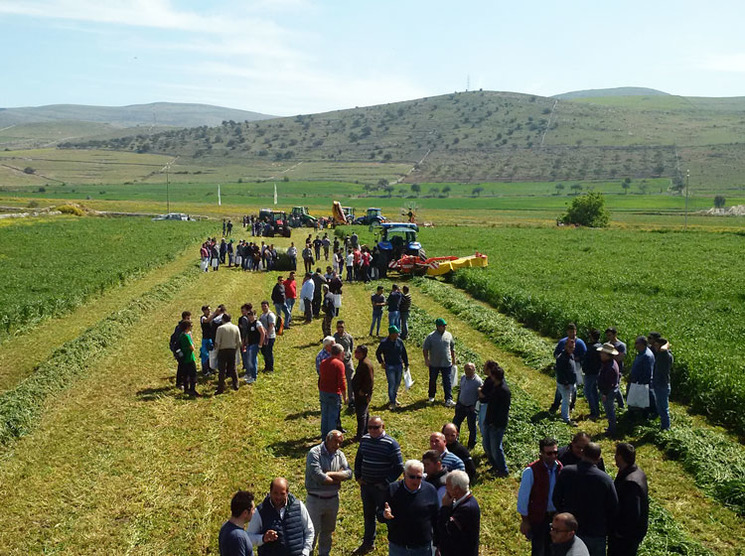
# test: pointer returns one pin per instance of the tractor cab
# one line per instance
(349, 213)
(398, 239)
(301, 217)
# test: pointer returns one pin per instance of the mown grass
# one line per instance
(120, 446)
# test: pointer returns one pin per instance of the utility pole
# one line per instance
(168, 197)
(688, 178)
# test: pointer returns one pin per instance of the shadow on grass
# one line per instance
(152, 394)
(297, 448)
(310, 345)
(303, 414)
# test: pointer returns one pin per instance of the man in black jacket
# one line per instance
(497, 415)
(459, 518)
(633, 503)
(451, 437)
(588, 494)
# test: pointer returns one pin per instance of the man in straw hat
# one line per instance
(608, 380)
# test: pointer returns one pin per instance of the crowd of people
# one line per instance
(599, 369)
(567, 502)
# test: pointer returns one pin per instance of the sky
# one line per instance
(287, 57)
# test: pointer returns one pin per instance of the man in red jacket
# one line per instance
(332, 387)
(291, 296)
(534, 499)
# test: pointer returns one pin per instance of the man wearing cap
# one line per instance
(326, 468)
(439, 355)
(608, 381)
(391, 354)
(663, 362)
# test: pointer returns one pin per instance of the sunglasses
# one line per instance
(552, 453)
(374, 427)
(415, 477)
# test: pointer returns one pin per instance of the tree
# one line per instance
(446, 190)
(476, 191)
(719, 201)
(416, 188)
(576, 187)
(626, 184)
(588, 210)
(643, 187)
(29, 170)
(559, 188)
(382, 183)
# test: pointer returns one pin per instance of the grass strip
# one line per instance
(665, 536)
(716, 463)
(21, 407)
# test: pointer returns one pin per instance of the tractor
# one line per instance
(373, 216)
(275, 223)
(398, 239)
(300, 217)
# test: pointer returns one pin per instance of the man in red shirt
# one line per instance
(291, 296)
(332, 387)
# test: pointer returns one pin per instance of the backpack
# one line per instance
(174, 344)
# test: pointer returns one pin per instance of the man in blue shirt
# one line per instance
(233, 539)
(642, 369)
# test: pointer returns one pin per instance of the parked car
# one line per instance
(172, 216)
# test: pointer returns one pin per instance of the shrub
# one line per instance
(71, 209)
(588, 210)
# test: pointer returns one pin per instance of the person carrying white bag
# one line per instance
(641, 376)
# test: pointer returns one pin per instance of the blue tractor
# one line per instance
(398, 239)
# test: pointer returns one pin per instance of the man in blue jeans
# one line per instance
(663, 362)
(439, 356)
(394, 307)
(252, 342)
(391, 354)
(378, 302)
(497, 415)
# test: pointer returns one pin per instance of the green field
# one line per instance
(51, 266)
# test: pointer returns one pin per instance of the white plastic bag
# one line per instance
(453, 375)
(408, 381)
(638, 395)
(213, 359)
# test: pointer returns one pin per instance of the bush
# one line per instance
(719, 201)
(588, 210)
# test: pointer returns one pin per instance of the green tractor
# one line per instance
(300, 217)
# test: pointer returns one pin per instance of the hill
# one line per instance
(155, 114)
(612, 92)
(483, 136)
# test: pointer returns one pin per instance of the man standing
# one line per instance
(227, 344)
(439, 356)
(279, 299)
(588, 494)
(608, 381)
(345, 340)
(292, 253)
(497, 416)
(564, 539)
(325, 352)
(571, 454)
(633, 503)
(308, 258)
(642, 368)
(465, 407)
(307, 291)
(394, 307)
(378, 302)
(328, 310)
(281, 525)
(378, 463)
(434, 472)
(450, 461)
(580, 349)
(318, 293)
(362, 388)
(450, 430)
(411, 513)
(663, 363)
(391, 354)
(252, 342)
(326, 468)
(268, 321)
(566, 379)
(233, 539)
(459, 518)
(535, 497)
(611, 336)
(290, 296)
(332, 389)
(591, 369)
(404, 308)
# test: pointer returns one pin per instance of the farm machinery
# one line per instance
(275, 222)
(373, 216)
(436, 266)
(300, 216)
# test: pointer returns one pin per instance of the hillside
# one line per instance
(486, 136)
(613, 92)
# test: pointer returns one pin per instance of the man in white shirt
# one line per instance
(227, 344)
